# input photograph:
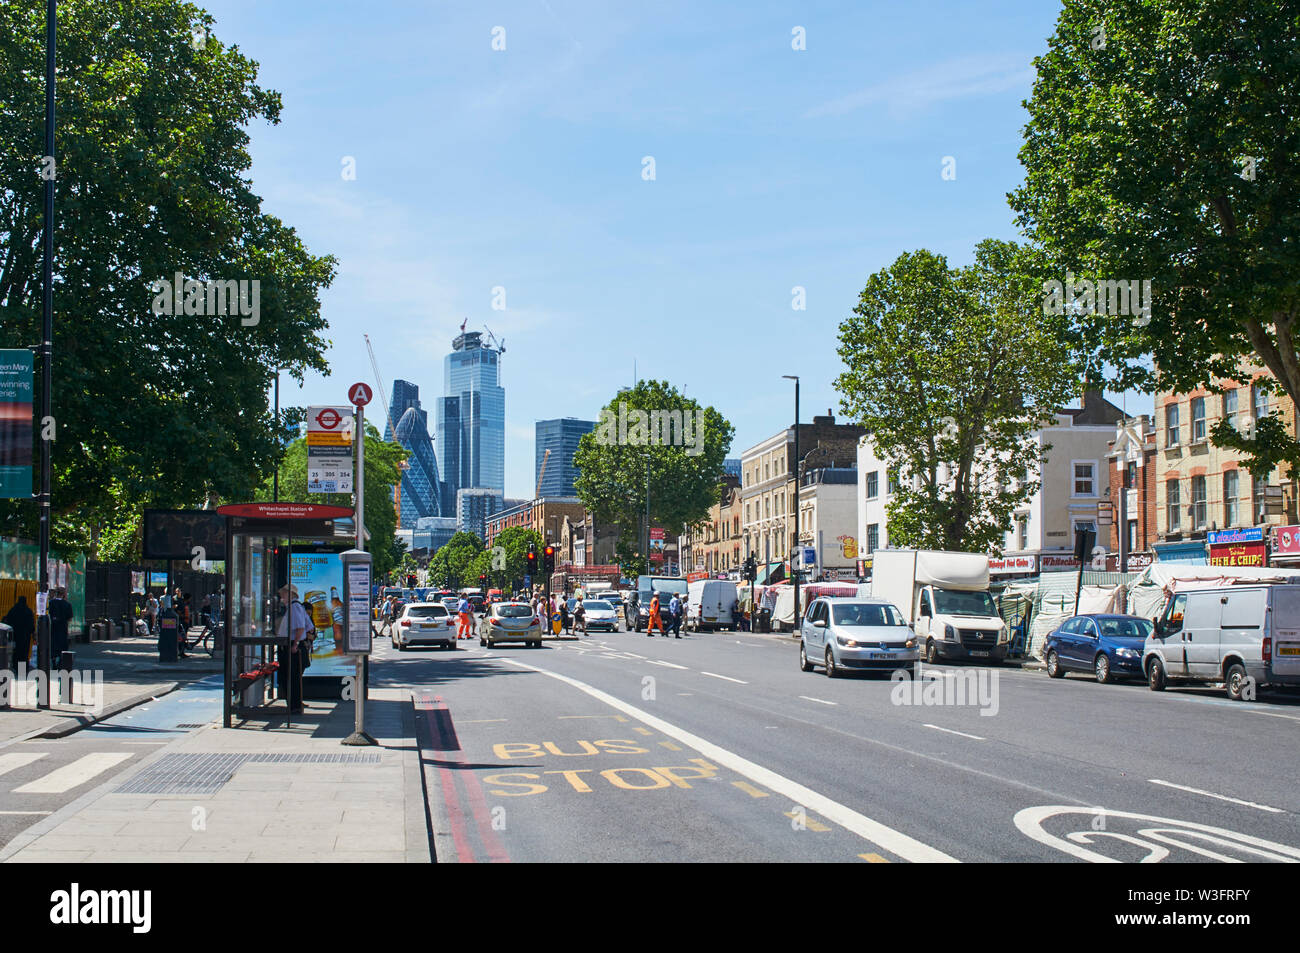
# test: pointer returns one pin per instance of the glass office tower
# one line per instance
(471, 425)
(561, 438)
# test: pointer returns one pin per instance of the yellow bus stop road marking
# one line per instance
(808, 822)
(670, 746)
(642, 731)
(749, 789)
(873, 858)
(615, 717)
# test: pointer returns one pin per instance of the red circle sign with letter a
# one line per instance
(359, 394)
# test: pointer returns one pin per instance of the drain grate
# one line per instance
(207, 773)
(194, 724)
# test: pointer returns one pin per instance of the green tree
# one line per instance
(152, 179)
(513, 542)
(449, 567)
(635, 446)
(1163, 144)
(951, 371)
(382, 458)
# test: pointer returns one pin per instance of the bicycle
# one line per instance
(211, 633)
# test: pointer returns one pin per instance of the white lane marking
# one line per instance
(896, 842)
(12, 762)
(1220, 797)
(725, 677)
(633, 655)
(665, 664)
(809, 698)
(951, 732)
(72, 775)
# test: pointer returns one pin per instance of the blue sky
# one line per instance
(522, 168)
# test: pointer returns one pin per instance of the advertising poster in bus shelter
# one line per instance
(318, 578)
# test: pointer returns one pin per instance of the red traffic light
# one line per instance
(550, 550)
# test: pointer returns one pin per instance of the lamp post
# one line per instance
(43, 640)
(794, 573)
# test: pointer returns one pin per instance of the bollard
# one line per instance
(6, 634)
(167, 635)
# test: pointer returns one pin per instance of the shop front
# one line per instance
(1284, 549)
(1238, 547)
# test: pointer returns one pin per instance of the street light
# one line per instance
(794, 573)
(43, 640)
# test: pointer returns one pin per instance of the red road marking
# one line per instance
(496, 852)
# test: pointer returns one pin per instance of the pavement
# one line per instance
(131, 675)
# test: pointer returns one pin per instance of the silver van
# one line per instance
(1244, 636)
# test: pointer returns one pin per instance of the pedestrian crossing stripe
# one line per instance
(12, 762)
(75, 774)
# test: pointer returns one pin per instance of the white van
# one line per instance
(1244, 636)
(710, 603)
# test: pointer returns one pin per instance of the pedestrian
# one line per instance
(632, 611)
(566, 620)
(655, 620)
(675, 613)
(205, 611)
(466, 626)
(22, 620)
(60, 612)
(580, 616)
(294, 625)
(151, 610)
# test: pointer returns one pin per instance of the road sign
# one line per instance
(360, 394)
(329, 449)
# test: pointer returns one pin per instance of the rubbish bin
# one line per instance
(168, 627)
(67, 660)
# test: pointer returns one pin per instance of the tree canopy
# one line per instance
(682, 444)
(1163, 144)
(152, 180)
(449, 567)
(951, 371)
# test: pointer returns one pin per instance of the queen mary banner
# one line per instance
(17, 386)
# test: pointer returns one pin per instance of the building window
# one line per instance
(1198, 419)
(1171, 425)
(873, 485)
(1132, 535)
(767, 506)
(1257, 496)
(1085, 483)
(1260, 401)
(1022, 533)
(873, 537)
(892, 479)
(1229, 499)
(747, 516)
(767, 471)
(1230, 407)
(1199, 510)
(1174, 503)
(1130, 475)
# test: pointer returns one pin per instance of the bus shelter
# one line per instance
(270, 546)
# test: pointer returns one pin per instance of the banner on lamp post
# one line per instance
(17, 388)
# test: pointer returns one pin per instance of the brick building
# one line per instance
(1131, 464)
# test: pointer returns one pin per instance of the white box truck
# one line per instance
(945, 599)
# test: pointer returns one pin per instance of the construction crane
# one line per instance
(392, 427)
(545, 457)
(501, 349)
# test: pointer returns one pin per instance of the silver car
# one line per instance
(510, 622)
(600, 615)
(855, 635)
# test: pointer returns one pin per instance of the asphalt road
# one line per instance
(716, 747)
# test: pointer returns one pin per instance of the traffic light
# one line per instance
(751, 569)
(410, 580)
(482, 580)
(549, 561)
(530, 564)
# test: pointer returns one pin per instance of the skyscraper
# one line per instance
(405, 396)
(471, 420)
(561, 438)
(421, 487)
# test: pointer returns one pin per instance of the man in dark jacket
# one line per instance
(23, 621)
(60, 610)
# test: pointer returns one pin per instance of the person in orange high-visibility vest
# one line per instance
(655, 620)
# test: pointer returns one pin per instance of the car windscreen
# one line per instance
(670, 585)
(956, 602)
(599, 604)
(514, 612)
(866, 614)
(1126, 628)
(427, 612)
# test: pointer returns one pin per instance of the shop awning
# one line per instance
(1189, 553)
(770, 573)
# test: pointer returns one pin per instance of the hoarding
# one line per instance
(318, 579)
(17, 385)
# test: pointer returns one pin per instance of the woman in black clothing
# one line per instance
(23, 621)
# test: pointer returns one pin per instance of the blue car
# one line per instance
(1108, 646)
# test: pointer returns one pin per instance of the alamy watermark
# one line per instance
(1107, 297)
(24, 687)
(214, 299)
(967, 688)
(656, 428)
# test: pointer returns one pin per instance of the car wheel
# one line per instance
(1054, 669)
(1234, 681)
(831, 670)
(1156, 675)
(450, 645)
(804, 664)
(931, 652)
(1101, 668)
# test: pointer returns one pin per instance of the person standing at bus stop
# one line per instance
(293, 626)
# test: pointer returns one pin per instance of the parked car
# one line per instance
(1107, 645)
(424, 623)
(843, 634)
(510, 622)
(1244, 636)
(601, 615)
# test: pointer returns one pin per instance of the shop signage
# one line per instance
(1238, 554)
(1136, 561)
(286, 511)
(1223, 537)
(1014, 564)
(696, 576)
(17, 384)
(1286, 539)
(1058, 561)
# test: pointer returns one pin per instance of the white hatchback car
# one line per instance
(424, 623)
(855, 635)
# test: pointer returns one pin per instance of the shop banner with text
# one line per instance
(17, 386)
